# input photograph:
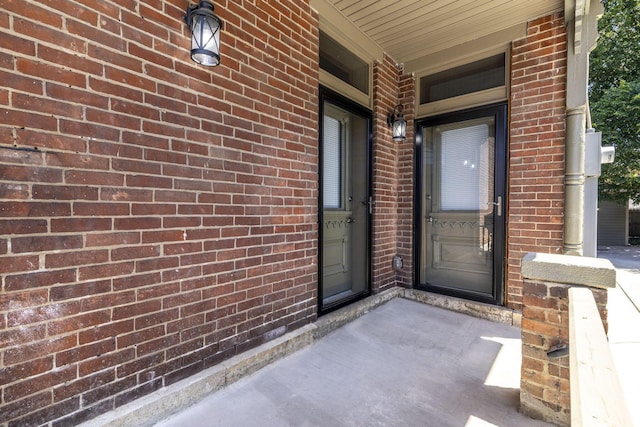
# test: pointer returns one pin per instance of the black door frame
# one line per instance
(335, 98)
(499, 111)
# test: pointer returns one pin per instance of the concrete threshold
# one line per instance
(157, 406)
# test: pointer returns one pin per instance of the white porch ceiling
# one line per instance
(411, 29)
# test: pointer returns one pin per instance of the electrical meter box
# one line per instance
(595, 154)
(592, 154)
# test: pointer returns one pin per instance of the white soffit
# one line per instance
(411, 29)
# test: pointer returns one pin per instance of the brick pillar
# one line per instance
(544, 384)
(536, 146)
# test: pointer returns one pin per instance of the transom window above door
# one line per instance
(343, 64)
(344, 70)
(463, 84)
(476, 76)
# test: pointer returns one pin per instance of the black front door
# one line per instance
(461, 163)
(344, 202)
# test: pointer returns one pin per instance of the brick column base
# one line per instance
(544, 384)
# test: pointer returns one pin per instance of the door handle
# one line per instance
(498, 205)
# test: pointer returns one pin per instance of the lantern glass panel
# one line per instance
(399, 129)
(205, 40)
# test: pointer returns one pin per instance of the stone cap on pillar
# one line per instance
(569, 269)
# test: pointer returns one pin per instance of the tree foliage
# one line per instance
(615, 97)
(617, 116)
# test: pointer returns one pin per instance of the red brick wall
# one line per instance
(406, 149)
(156, 217)
(386, 184)
(536, 147)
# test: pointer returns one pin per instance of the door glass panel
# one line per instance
(458, 209)
(345, 137)
(464, 166)
(332, 152)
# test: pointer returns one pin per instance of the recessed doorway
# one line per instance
(345, 201)
(461, 203)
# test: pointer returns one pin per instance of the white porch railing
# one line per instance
(596, 395)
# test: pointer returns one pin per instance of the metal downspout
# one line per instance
(574, 181)
(581, 17)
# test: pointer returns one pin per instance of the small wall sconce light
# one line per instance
(205, 33)
(398, 124)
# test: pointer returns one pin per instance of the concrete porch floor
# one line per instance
(404, 363)
(400, 362)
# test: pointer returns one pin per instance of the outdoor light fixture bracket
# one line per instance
(397, 123)
(204, 26)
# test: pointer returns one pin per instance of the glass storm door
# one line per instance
(344, 205)
(463, 205)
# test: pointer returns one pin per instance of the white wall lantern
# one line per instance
(398, 124)
(205, 33)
